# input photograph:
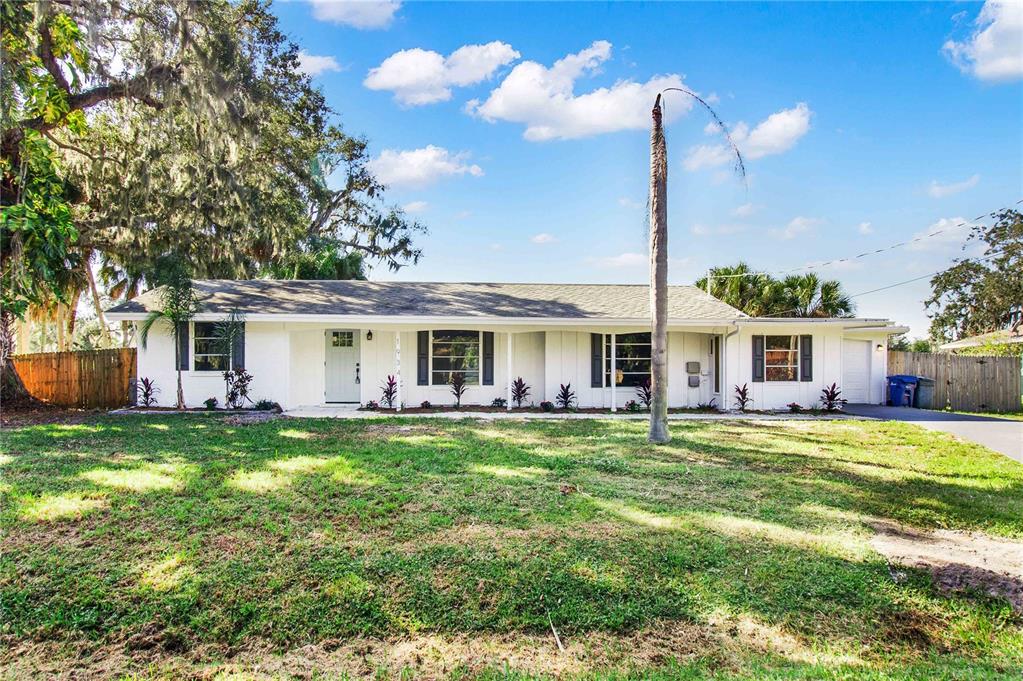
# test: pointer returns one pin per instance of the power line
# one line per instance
(889, 286)
(866, 253)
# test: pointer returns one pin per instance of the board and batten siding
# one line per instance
(378, 363)
(267, 350)
(567, 360)
(827, 366)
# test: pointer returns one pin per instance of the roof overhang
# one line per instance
(420, 320)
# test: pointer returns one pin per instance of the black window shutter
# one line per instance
(758, 359)
(423, 358)
(238, 348)
(488, 358)
(183, 346)
(806, 358)
(596, 360)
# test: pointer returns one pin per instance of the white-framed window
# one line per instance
(632, 359)
(781, 358)
(455, 352)
(342, 339)
(207, 353)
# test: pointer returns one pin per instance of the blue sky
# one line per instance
(517, 132)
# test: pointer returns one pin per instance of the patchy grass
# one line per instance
(168, 546)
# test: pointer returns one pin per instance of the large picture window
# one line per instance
(632, 359)
(207, 348)
(455, 352)
(781, 358)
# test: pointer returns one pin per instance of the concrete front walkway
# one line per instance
(1001, 435)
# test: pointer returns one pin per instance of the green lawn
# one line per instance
(183, 545)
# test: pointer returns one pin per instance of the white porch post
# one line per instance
(510, 375)
(397, 365)
(614, 371)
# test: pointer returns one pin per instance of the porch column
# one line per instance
(397, 365)
(508, 396)
(614, 372)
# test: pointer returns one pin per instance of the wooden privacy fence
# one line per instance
(87, 378)
(964, 382)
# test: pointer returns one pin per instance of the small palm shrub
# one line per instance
(458, 388)
(707, 406)
(644, 393)
(795, 407)
(547, 406)
(520, 391)
(147, 392)
(565, 396)
(499, 402)
(389, 391)
(266, 405)
(425, 404)
(831, 398)
(211, 403)
(742, 397)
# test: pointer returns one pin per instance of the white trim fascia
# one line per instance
(376, 321)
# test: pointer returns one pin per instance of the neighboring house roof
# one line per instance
(1002, 337)
(435, 299)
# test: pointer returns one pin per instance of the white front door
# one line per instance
(856, 371)
(342, 366)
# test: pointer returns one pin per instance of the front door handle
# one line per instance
(358, 378)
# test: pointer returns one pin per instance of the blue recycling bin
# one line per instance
(901, 390)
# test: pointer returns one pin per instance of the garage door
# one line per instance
(855, 370)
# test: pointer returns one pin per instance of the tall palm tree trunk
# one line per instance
(658, 279)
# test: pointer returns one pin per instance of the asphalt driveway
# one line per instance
(1001, 435)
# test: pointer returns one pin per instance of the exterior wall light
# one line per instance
(880, 347)
(369, 336)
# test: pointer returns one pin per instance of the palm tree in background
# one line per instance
(807, 295)
(760, 295)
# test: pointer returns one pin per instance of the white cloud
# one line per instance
(940, 191)
(776, 134)
(948, 233)
(420, 167)
(361, 14)
(796, 226)
(314, 65)
(626, 202)
(994, 51)
(418, 76)
(544, 100)
(865, 228)
(745, 210)
(415, 207)
(543, 238)
(623, 260)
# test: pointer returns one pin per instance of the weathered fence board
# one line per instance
(964, 382)
(88, 378)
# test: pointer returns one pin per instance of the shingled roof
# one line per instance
(436, 299)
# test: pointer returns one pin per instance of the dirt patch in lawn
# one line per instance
(726, 642)
(959, 561)
(391, 429)
(37, 413)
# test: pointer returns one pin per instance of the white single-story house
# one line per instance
(319, 343)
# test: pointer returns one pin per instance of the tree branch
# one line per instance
(45, 53)
(134, 88)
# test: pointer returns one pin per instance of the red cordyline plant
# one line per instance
(389, 391)
(520, 391)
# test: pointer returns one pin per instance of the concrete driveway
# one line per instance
(1001, 435)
